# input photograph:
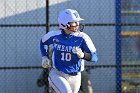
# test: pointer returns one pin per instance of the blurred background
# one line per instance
(113, 25)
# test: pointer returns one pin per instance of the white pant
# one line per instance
(64, 83)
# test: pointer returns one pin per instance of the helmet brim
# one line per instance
(76, 20)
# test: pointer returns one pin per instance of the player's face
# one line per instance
(73, 26)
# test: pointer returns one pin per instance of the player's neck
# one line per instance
(67, 32)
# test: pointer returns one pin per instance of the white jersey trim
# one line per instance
(87, 40)
(50, 34)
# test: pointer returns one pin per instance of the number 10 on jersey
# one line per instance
(66, 56)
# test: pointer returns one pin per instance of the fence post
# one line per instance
(118, 47)
(47, 86)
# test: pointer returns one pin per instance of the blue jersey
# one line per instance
(63, 58)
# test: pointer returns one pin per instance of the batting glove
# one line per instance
(45, 62)
(78, 51)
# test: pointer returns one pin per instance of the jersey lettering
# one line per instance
(63, 48)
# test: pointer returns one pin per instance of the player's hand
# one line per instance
(45, 62)
(78, 51)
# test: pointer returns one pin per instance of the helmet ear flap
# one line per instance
(67, 26)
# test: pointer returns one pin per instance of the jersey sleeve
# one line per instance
(43, 48)
(89, 47)
(45, 41)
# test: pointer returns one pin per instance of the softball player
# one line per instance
(70, 48)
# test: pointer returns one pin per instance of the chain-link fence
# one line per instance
(130, 46)
(113, 25)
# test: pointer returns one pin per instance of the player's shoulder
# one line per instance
(53, 33)
(82, 34)
(50, 34)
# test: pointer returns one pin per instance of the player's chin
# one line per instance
(74, 30)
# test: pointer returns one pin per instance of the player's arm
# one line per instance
(44, 53)
(43, 48)
(91, 56)
(89, 49)
(86, 54)
(44, 43)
